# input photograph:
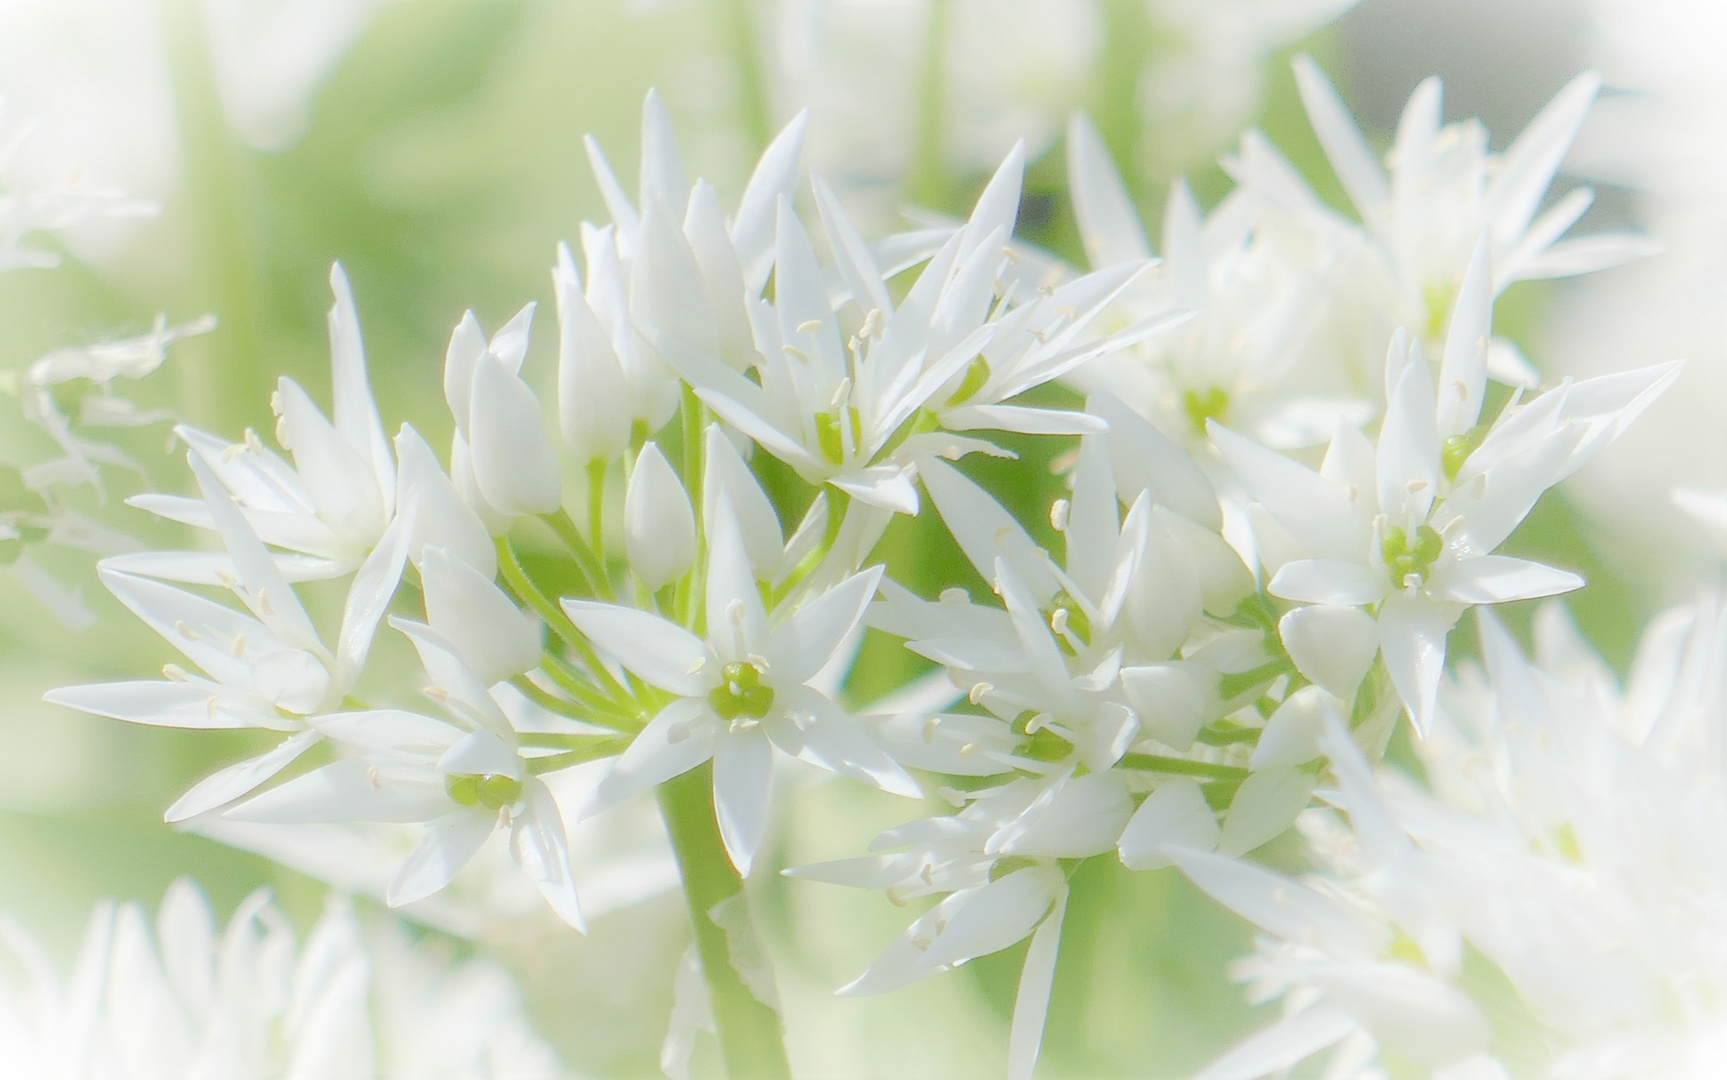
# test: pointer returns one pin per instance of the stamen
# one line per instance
(1059, 512)
(175, 673)
(978, 690)
(809, 326)
(186, 631)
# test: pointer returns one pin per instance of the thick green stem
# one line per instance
(749, 1030)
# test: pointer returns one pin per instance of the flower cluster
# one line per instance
(190, 999)
(673, 576)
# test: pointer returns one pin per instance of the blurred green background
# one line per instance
(441, 164)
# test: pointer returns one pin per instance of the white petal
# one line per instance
(1463, 372)
(346, 790)
(389, 731)
(1408, 458)
(170, 704)
(774, 179)
(593, 395)
(1109, 226)
(743, 770)
(341, 483)
(1174, 700)
(439, 516)
(444, 848)
(1527, 167)
(479, 753)
(1328, 581)
(261, 585)
(1331, 645)
(1031, 1001)
(1286, 1043)
(984, 530)
(1318, 514)
(1275, 903)
(737, 622)
(997, 206)
(1144, 459)
(1497, 579)
(658, 652)
(494, 638)
(810, 639)
(1021, 419)
(1345, 146)
(659, 523)
(537, 841)
(1265, 805)
(514, 462)
(226, 785)
(681, 737)
(453, 685)
(1176, 813)
(369, 596)
(356, 410)
(1291, 736)
(1072, 819)
(1002, 912)
(1412, 640)
(810, 725)
(727, 477)
(663, 177)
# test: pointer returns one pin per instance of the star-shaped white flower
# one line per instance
(740, 691)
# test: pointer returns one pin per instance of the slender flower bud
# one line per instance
(593, 393)
(659, 524)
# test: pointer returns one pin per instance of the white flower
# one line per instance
(1407, 529)
(333, 504)
(740, 692)
(1256, 278)
(249, 1002)
(465, 778)
(265, 667)
(1445, 190)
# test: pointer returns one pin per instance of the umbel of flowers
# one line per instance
(1297, 449)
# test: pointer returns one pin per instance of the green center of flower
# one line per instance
(493, 791)
(1457, 449)
(975, 377)
(741, 694)
(1403, 558)
(1041, 744)
(828, 433)
(1203, 405)
(1439, 297)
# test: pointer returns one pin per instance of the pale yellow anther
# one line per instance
(1059, 512)
(372, 775)
(1038, 723)
(1042, 337)
(929, 727)
(842, 394)
(276, 402)
(897, 900)
(1069, 312)
(229, 453)
(927, 873)
(253, 443)
(239, 646)
(186, 631)
(978, 690)
(968, 749)
(809, 326)
(1012, 255)
(210, 706)
(792, 350)
(1058, 620)
(1415, 486)
(954, 595)
(1280, 895)
(954, 796)
(437, 694)
(264, 605)
(282, 434)
(226, 579)
(175, 673)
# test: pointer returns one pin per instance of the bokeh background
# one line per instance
(434, 147)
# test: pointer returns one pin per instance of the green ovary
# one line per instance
(1403, 558)
(1042, 744)
(741, 693)
(1203, 405)
(1457, 449)
(494, 791)
(828, 433)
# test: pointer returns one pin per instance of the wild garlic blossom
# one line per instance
(187, 997)
(1550, 908)
(1206, 633)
